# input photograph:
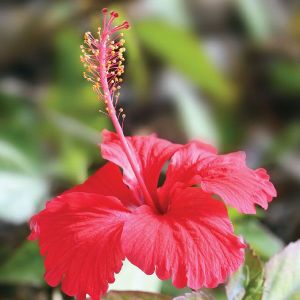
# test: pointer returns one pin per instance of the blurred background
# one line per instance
(223, 71)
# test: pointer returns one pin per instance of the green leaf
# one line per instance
(183, 51)
(282, 274)
(262, 240)
(234, 214)
(24, 267)
(247, 282)
(254, 271)
(134, 296)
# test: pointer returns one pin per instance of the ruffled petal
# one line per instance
(107, 181)
(79, 235)
(151, 153)
(225, 175)
(182, 168)
(193, 242)
(239, 186)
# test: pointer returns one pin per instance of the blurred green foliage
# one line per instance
(247, 282)
(25, 267)
(277, 279)
(50, 128)
(181, 50)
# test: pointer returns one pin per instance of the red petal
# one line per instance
(239, 186)
(107, 181)
(79, 235)
(224, 175)
(184, 161)
(151, 152)
(193, 242)
(182, 168)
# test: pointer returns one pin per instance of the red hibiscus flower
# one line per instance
(178, 230)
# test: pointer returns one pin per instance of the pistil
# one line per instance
(103, 59)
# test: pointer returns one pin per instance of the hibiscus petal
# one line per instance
(151, 153)
(225, 175)
(239, 186)
(182, 168)
(79, 235)
(107, 181)
(193, 242)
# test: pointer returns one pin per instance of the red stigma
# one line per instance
(125, 25)
(114, 14)
(103, 58)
